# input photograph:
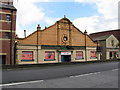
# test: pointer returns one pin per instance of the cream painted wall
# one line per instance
(89, 49)
(109, 44)
(41, 54)
(19, 52)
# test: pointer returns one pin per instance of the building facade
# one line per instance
(7, 31)
(109, 44)
(61, 42)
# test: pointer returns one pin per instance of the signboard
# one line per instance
(79, 55)
(66, 53)
(49, 55)
(27, 55)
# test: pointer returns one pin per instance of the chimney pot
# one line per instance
(25, 33)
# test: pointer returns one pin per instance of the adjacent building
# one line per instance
(109, 45)
(7, 31)
(61, 42)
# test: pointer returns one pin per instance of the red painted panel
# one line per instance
(93, 54)
(27, 55)
(49, 55)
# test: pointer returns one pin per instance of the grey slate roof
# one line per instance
(101, 37)
(5, 6)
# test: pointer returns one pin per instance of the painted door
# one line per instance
(63, 58)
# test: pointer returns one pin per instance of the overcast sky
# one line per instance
(92, 15)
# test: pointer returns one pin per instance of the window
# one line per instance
(27, 56)
(7, 35)
(65, 38)
(49, 55)
(93, 55)
(112, 43)
(79, 55)
(8, 17)
(0, 16)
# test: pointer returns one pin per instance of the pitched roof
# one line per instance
(116, 33)
(101, 37)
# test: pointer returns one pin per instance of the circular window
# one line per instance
(65, 38)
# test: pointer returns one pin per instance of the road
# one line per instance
(100, 75)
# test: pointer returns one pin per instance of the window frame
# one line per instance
(8, 18)
(27, 60)
(7, 35)
(0, 16)
(112, 43)
(76, 58)
(95, 55)
(52, 56)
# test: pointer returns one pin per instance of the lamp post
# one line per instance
(85, 33)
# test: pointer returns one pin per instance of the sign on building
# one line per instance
(66, 53)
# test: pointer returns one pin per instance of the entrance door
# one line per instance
(2, 59)
(66, 58)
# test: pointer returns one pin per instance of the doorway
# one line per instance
(66, 58)
(2, 59)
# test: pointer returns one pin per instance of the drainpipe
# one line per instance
(58, 40)
(11, 56)
(97, 51)
(38, 28)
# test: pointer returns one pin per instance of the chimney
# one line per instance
(16, 36)
(25, 33)
(64, 16)
(38, 28)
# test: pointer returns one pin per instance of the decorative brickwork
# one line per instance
(56, 35)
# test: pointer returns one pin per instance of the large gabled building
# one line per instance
(61, 42)
(7, 31)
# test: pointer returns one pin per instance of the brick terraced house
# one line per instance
(61, 42)
(7, 31)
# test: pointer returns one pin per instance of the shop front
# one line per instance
(113, 53)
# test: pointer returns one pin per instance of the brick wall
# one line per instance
(54, 35)
(7, 44)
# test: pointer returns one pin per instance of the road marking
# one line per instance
(10, 84)
(115, 69)
(85, 74)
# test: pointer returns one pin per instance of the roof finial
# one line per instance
(85, 31)
(45, 27)
(64, 16)
(38, 28)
